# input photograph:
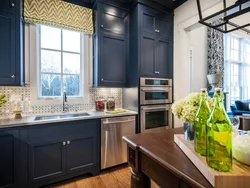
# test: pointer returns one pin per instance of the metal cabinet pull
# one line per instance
(12, 4)
(13, 76)
(102, 79)
(102, 26)
(64, 143)
(68, 142)
(156, 72)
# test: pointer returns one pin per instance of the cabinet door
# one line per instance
(113, 60)
(148, 55)
(163, 27)
(112, 20)
(147, 20)
(163, 59)
(9, 147)
(46, 160)
(8, 6)
(81, 153)
(7, 49)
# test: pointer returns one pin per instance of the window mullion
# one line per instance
(40, 64)
(62, 89)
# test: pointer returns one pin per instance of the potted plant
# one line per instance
(185, 109)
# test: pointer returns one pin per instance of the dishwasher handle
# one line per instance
(115, 122)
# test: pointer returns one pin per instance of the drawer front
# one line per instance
(57, 130)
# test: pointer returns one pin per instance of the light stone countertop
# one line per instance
(30, 120)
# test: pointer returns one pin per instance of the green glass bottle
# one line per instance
(219, 136)
(200, 124)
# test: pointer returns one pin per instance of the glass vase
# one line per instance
(188, 131)
(219, 136)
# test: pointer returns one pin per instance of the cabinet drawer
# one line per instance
(55, 130)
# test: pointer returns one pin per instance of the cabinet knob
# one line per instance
(156, 72)
(64, 143)
(13, 76)
(102, 26)
(157, 31)
(68, 142)
(102, 79)
(12, 4)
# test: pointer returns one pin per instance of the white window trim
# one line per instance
(31, 56)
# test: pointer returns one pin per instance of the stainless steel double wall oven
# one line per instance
(155, 104)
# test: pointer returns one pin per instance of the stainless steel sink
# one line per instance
(39, 118)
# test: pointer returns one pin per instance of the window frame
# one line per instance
(31, 70)
(242, 64)
(39, 72)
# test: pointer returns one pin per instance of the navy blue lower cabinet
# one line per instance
(72, 149)
(46, 160)
(9, 159)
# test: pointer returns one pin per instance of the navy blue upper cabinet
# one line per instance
(110, 46)
(8, 6)
(11, 46)
(152, 34)
(155, 22)
(164, 56)
(7, 48)
(9, 147)
(148, 55)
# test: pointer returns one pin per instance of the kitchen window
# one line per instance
(57, 60)
(60, 62)
(237, 67)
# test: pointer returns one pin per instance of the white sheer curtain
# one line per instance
(237, 67)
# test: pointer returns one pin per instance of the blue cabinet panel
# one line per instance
(7, 49)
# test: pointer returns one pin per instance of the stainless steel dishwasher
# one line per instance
(113, 148)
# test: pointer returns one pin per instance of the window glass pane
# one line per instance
(71, 84)
(235, 55)
(71, 41)
(50, 37)
(248, 58)
(50, 61)
(236, 44)
(51, 85)
(71, 63)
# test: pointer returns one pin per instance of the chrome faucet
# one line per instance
(64, 100)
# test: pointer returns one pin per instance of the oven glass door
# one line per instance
(155, 118)
(156, 95)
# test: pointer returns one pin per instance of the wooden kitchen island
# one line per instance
(155, 156)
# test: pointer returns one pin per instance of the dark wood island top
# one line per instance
(156, 156)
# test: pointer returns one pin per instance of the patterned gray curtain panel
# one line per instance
(215, 53)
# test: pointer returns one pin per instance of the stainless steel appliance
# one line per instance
(158, 117)
(113, 149)
(155, 91)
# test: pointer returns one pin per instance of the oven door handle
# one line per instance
(155, 90)
(156, 108)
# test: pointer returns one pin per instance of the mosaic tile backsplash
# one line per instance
(25, 92)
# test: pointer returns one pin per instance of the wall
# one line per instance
(25, 92)
(190, 49)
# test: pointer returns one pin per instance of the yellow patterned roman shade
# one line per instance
(59, 14)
